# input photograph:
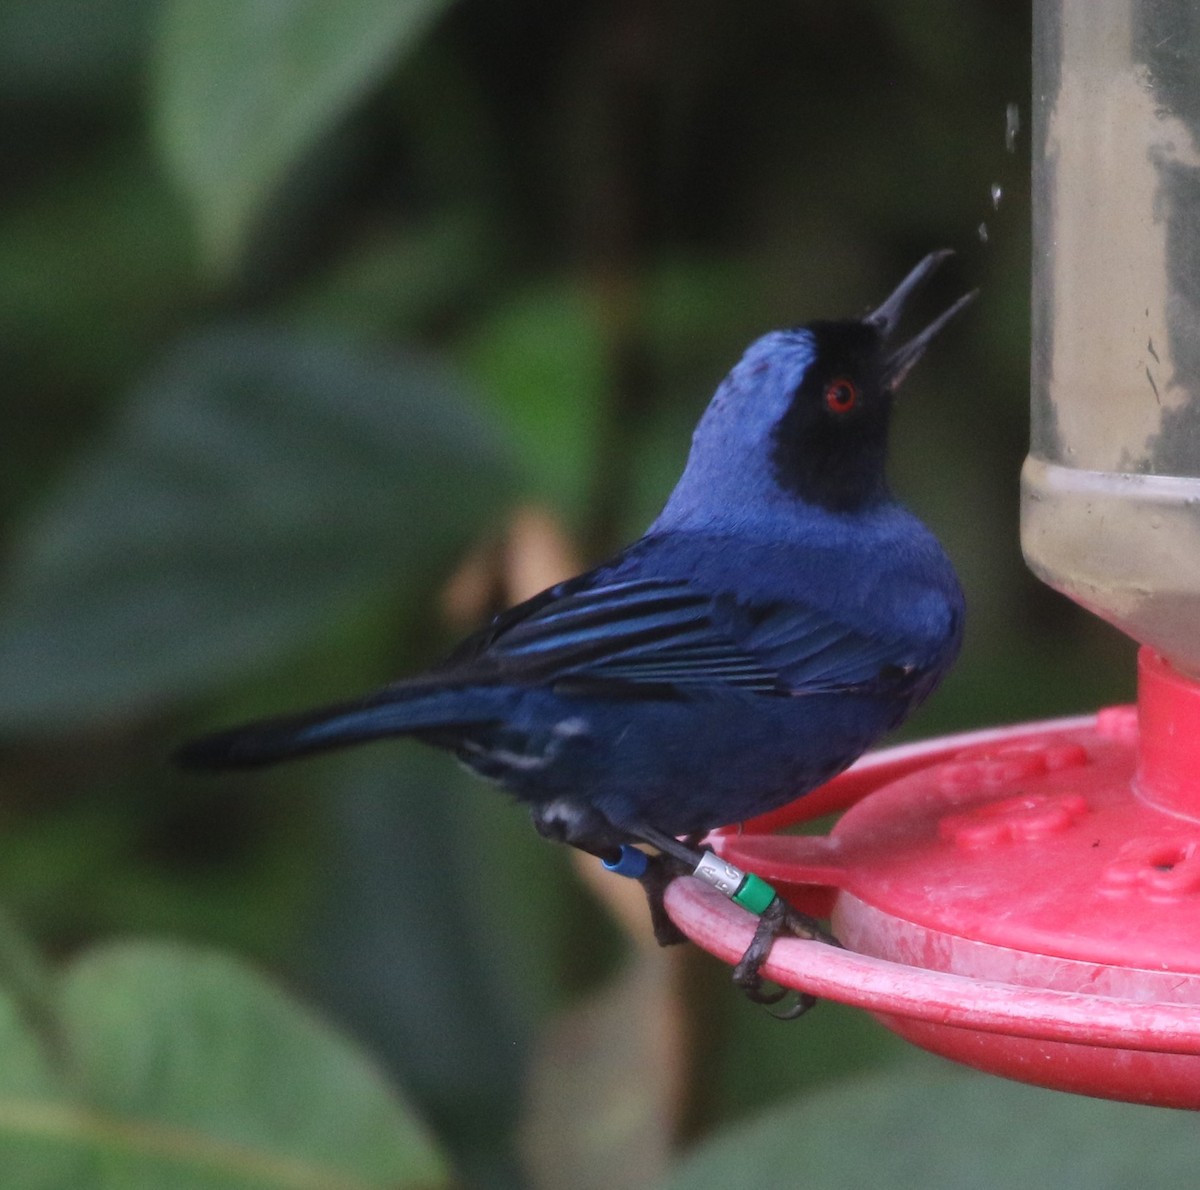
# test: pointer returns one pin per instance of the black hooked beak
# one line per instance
(885, 318)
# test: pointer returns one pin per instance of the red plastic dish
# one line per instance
(1025, 900)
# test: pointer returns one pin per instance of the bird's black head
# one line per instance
(829, 447)
(802, 417)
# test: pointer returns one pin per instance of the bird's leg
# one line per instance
(775, 916)
(657, 872)
(587, 830)
(590, 831)
(674, 859)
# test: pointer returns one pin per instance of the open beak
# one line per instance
(886, 317)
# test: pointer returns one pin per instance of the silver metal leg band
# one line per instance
(724, 877)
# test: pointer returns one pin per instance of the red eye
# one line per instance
(840, 395)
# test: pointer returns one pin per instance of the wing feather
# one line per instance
(653, 636)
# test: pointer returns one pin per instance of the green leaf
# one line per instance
(29, 1086)
(70, 48)
(401, 279)
(924, 1125)
(92, 268)
(244, 87)
(256, 487)
(190, 1071)
(440, 937)
(542, 359)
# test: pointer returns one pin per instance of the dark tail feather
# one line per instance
(395, 712)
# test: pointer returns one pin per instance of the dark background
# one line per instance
(452, 347)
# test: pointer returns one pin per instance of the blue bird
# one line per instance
(782, 613)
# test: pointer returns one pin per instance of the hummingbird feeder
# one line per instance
(1026, 900)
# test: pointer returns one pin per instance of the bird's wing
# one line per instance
(656, 635)
(815, 652)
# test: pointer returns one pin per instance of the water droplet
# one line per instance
(1012, 125)
(997, 195)
(1156, 522)
(983, 233)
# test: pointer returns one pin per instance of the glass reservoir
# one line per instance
(1110, 509)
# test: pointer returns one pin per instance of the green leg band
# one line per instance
(754, 894)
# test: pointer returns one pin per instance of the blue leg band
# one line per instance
(631, 862)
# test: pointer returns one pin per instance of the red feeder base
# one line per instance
(1024, 900)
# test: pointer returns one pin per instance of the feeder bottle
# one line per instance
(1027, 900)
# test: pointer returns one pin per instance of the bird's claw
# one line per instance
(675, 858)
(777, 919)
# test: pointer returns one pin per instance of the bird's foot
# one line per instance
(775, 916)
(776, 920)
(584, 828)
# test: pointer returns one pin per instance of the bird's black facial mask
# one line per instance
(829, 447)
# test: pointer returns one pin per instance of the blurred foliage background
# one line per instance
(327, 329)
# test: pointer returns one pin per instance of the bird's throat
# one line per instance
(832, 470)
